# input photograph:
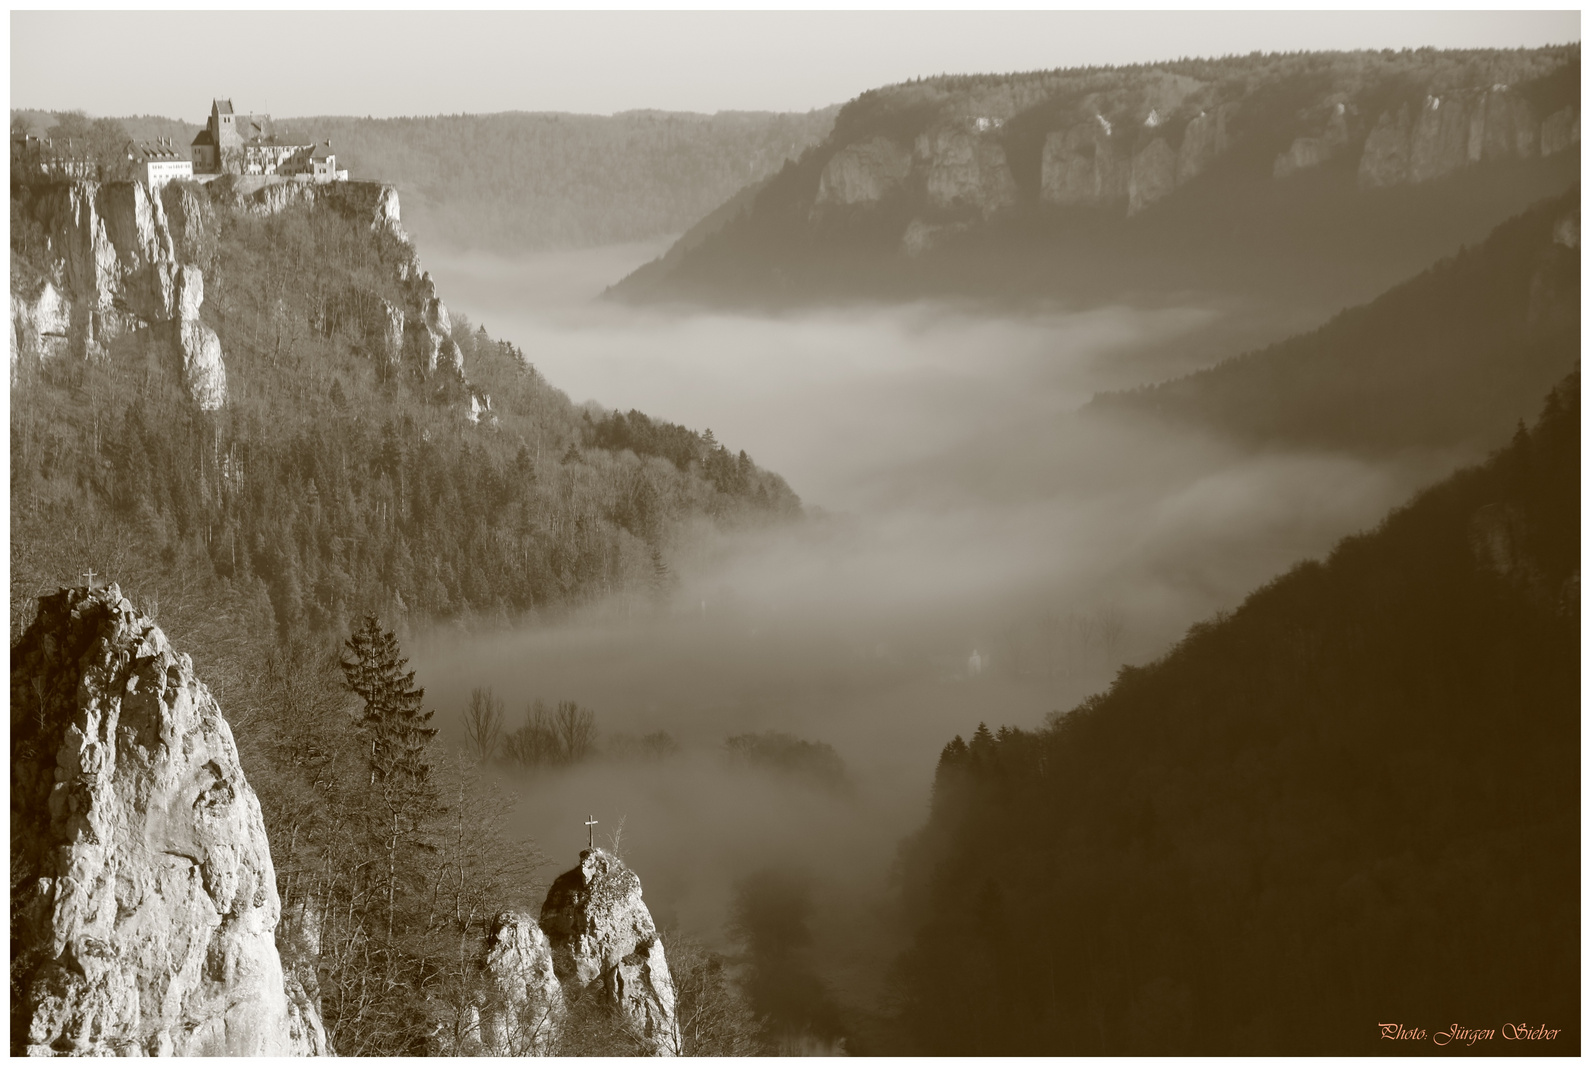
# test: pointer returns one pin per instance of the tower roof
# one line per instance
(221, 105)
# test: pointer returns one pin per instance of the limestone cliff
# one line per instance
(963, 168)
(523, 1011)
(1083, 166)
(114, 264)
(1453, 131)
(122, 258)
(144, 900)
(864, 172)
(602, 938)
(1154, 175)
(1312, 151)
(595, 936)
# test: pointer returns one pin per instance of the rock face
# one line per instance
(1385, 161)
(122, 258)
(962, 168)
(1154, 175)
(522, 1016)
(920, 237)
(41, 327)
(1203, 140)
(602, 937)
(864, 172)
(116, 265)
(430, 343)
(376, 323)
(1312, 151)
(1457, 130)
(1082, 167)
(203, 372)
(144, 900)
(1560, 131)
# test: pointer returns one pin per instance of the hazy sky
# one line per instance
(411, 62)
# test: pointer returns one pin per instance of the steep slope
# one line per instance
(372, 450)
(1351, 803)
(143, 897)
(1316, 174)
(1451, 359)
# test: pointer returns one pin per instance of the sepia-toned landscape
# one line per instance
(1079, 561)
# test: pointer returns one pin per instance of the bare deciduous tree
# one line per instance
(577, 731)
(483, 723)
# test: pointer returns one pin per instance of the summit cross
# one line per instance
(591, 831)
(90, 575)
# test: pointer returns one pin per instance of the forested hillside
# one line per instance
(1453, 358)
(1318, 177)
(1354, 801)
(331, 486)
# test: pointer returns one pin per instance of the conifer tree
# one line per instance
(398, 732)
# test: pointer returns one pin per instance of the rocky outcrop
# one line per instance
(480, 409)
(1440, 141)
(1084, 164)
(1457, 130)
(115, 266)
(368, 200)
(186, 221)
(1154, 175)
(524, 1009)
(144, 900)
(203, 372)
(41, 327)
(1385, 160)
(1312, 151)
(960, 168)
(374, 322)
(920, 237)
(1204, 140)
(1566, 230)
(429, 341)
(864, 172)
(1081, 166)
(1560, 131)
(603, 939)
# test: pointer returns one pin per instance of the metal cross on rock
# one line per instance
(90, 575)
(591, 830)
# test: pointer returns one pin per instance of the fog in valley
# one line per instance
(973, 551)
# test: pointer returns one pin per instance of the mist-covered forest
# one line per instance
(1350, 801)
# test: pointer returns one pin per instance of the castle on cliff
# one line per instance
(249, 144)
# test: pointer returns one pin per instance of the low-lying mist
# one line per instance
(974, 552)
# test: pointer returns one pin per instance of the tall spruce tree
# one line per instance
(397, 731)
